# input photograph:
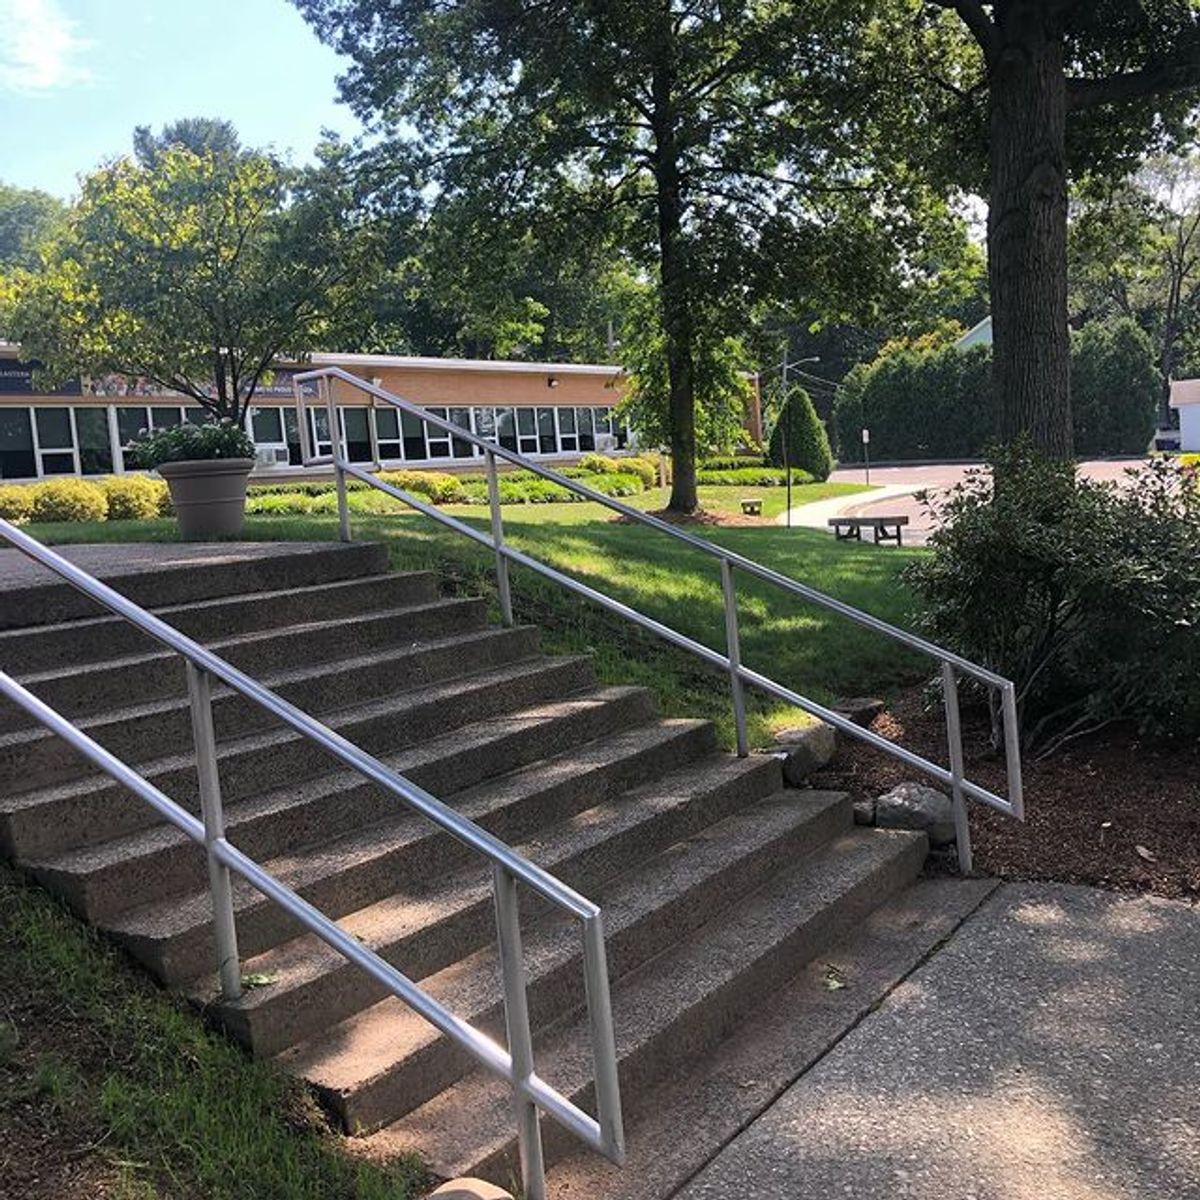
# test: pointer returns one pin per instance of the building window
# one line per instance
(506, 428)
(413, 434)
(527, 439)
(438, 439)
(547, 436)
(164, 417)
(387, 433)
(587, 437)
(131, 424)
(568, 435)
(95, 441)
(356, 434)
(55, 440)
(462, 418)
(16, 444)
(266, 426)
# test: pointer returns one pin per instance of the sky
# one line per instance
(76, 76)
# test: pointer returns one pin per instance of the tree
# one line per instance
(196, 272)
(1114, 388)
(1070, 86)
(799, 438)
(1135, 252)
(27, 218)
(200, 135)
(726, 147)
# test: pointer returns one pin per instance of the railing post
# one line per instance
(733, 651)
(502, 584)
(520, 1038)
(224, 928)
(962, 824)
(604, 1047)
(335, 449)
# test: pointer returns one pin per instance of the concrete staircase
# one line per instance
(718, 886)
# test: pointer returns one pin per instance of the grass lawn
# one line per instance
(803, 646)
(729, 499)
(111, 1090)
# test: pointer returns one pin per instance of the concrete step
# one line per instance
(672, 1010)
(431, 923)
(101, 881)
(386, 1061)
(186, 573)
(158, 675)
(446, 637)
(313, 986)
(38, 824)
(70, 644)
(722, 1093)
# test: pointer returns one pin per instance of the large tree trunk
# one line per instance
(1027, 229)
(675, 288)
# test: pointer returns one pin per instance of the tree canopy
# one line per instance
(28, 217)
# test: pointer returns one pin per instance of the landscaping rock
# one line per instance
(470, 1189)
(862, 710)
(805, 749)
(915, 806)
(864, 812)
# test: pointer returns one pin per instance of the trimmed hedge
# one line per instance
(135, 497)
(68, 500)
(16, 502)
(761, 476)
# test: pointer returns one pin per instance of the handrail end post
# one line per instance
(503, 584)
(962, 821)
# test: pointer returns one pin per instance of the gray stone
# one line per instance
(862, 710)
(915, 806)
(864, 812)
(805, 749)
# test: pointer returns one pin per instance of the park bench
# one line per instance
(849, 529)
(752, 508)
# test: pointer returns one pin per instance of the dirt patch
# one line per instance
(1115, 811)
(699, 517)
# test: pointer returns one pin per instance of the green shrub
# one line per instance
(190, 443)
(16, 502)
(599, 464)
(1115, 387)
(1085, 594)
(133, 497)
(751, 477)
(734, 462)
(807, 444)
(280, 503)
(439, 487)
(641, 465)
(68, 500)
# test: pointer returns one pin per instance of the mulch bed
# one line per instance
(1113, 811)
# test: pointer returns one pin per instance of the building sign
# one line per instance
(280, 386)
(16, 379)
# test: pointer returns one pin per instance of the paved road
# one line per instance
(897, 496)
(1049, 1051)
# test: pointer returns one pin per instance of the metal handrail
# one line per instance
(951, 664)
(604, 1132)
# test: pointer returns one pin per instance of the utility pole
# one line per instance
(787, 455)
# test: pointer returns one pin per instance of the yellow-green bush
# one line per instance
(134, 497)
(438, 486)
(16, 501)
(641, 465)
(68, 500)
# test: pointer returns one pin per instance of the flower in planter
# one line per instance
(190, 443)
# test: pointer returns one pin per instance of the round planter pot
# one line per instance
(209, 496)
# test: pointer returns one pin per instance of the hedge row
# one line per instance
(121, 498)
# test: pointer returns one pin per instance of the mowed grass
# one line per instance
(802, 645)
(111, 1089)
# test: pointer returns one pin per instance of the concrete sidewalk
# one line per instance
(1049, 1051)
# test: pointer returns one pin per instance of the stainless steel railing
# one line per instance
(951, 664)
(604, 1132)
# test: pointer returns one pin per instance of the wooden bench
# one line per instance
(849, 529)
(752, 508)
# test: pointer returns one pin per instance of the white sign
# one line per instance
(866, 437)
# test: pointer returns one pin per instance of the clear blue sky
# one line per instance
(76, 76)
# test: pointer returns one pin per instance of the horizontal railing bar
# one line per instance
(705, 546)
(714, 657)
(365, 764)
(487, 1052)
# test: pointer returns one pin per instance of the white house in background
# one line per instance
(1185, 399)
(977, 335)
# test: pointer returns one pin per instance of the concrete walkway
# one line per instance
(1050, 1050)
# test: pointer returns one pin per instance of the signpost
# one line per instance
(866, 436)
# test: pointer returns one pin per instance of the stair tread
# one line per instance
(370, 1043)
(221, 646)
(471, 1121)
(126, 847)
(297, 962)
(165, 919)
(265, 740)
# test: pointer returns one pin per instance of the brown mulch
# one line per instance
(699, 517)
(1114, 811)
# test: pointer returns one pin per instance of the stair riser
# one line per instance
(704, 1024)
(51, 602)
(304, 1011)
(179, 868)
(191, 954)
(26, 651)
(102, 689)
(107, 811)
(558, 995)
